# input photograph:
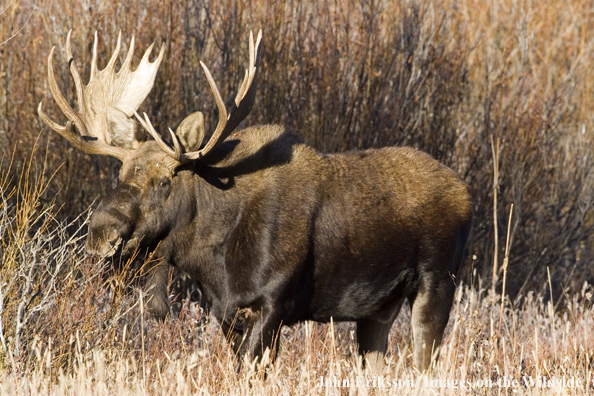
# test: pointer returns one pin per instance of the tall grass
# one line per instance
(473, 83)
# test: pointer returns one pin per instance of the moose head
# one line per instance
(107, 123)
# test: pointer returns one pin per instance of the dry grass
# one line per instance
(448, 77)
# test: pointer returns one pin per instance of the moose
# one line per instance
(272, 231)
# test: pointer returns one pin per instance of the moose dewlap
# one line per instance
(271, 230)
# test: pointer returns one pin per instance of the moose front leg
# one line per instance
(233, 335)
(260, 332)
(157, 281)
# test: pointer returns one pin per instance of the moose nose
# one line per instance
(113, 236)
(103, 243)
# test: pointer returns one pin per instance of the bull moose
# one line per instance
(273, 231)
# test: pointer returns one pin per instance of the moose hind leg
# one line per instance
(430, 314)
(372, 336)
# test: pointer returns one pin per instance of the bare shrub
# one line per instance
(50, 292)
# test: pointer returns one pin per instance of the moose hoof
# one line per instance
(158, 306)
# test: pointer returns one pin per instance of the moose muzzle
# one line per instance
(113, 222)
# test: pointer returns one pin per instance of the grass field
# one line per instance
(501, 91)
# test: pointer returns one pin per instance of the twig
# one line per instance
(142, 335)
(495, 151)
(24, 24)
(505, 262)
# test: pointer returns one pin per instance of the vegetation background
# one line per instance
(501, 91)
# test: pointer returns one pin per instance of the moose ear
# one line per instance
(190, 132)
(125, 132)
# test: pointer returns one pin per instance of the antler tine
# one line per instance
(147, 53)
(75, 74)
(112, 60)
(218, 100)
(91, 146)
(114, 57)
(175, 153)
(134, 86)
(249, 74)
(176, 145)
(242, 106)
(51, 123)
(94, 69)
(60, 100)
(129, 55)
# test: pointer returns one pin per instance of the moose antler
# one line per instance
(227, 123)
(124, 90)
